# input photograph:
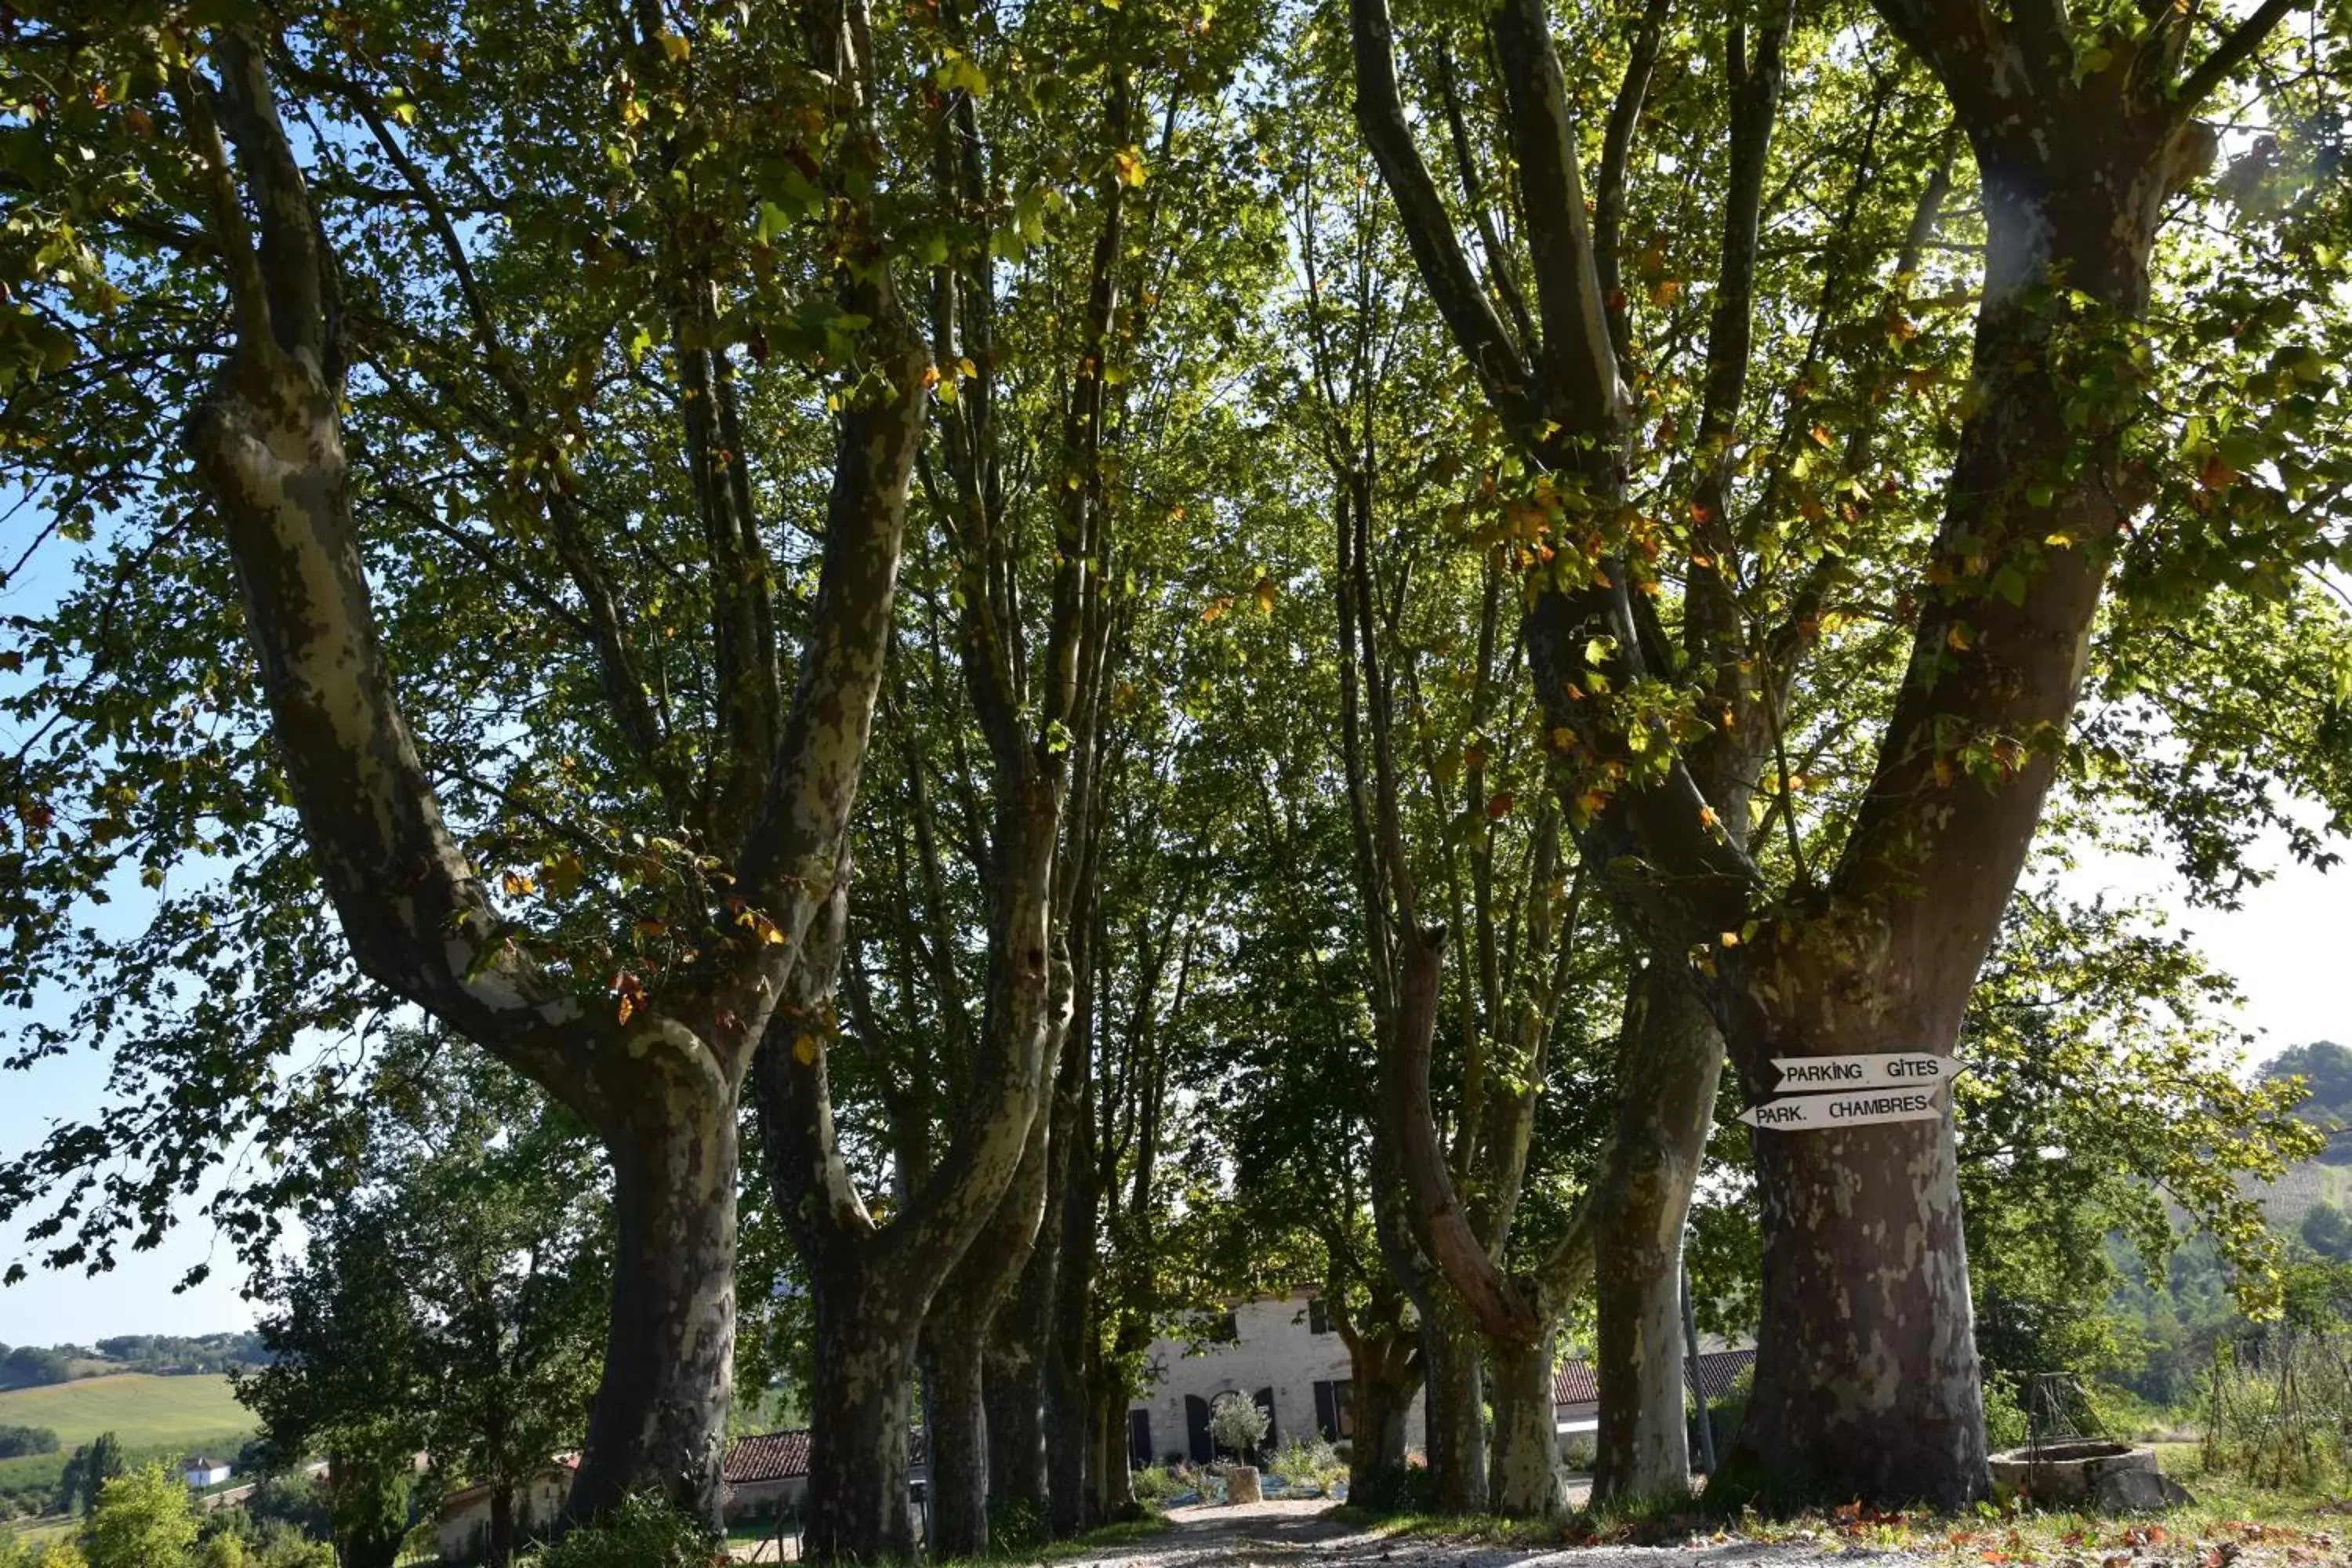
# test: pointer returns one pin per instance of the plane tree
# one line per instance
(2050, 469)
(443, 440)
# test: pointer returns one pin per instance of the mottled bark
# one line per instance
(1069, 1443)
(957, 1431)
(669, 1350)
(1523, 1478)
(1383, 1395)
(861, 1417)
(1670, 1059)
(1016, 1408)
(1111, 1491)
(1454, 1420)
(956, 1332)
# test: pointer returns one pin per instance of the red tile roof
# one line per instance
(1718, 1370)
(769, 1457)
(785, 1456)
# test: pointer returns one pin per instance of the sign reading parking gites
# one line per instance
(1893, 1070)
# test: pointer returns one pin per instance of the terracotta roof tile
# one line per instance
(769, 1457)
(784, 1456)
(1718, 1370)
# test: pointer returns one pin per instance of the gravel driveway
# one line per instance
(1304, 1535)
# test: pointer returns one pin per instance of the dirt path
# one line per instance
(1305, 1535)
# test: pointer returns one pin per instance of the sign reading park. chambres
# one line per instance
(1854, 1090)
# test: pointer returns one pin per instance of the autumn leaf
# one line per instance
(1264, 594)
(1129, 164)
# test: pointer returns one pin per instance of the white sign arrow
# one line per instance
(1811, 1113)
(1891, 1070)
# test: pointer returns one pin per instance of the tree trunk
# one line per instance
(1453, 1421)
(1112, 1492)
(1670, 1062)
(1524, 1482)
(860, 1416)
(502, 1525)
(1015, 1396)
(660, 1413)
(956, 1332)
(957, 1437)
(1867, 1377)
(1376, 1466)
(1069, 1443)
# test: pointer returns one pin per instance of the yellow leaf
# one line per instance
(1129, 162)
(676, 48)
(966, 367)
(804, 1051)
(1264, 592)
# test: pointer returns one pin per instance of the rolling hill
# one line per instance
(143, 1410)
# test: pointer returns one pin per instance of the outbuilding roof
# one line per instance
(1718, 1371)
(785, 1456)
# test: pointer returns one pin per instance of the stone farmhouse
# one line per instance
(1282, 1352)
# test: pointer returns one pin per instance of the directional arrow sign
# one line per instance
(1892, 1069)
(1811, 1113)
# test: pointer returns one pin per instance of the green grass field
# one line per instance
(143, 1410)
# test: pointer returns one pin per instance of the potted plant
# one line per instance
(1237, 1425)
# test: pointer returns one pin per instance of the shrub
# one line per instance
(1310, 1462)
(143, 1519)
(1015, 1524)
(643, 1533)
(1154, 1483)
(17, 1442)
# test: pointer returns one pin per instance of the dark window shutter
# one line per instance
(1326, 1412)
(1318, 1317)
(1196, 1429)
(1138, 1438)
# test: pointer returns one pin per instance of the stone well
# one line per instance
(2065, 1473)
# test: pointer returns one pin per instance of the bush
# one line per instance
(1015, 1524)
(643, 1533)
(17, 1442)
(1153, 1483)
(2279, 1416)
(1310, 1462)
(143, 1519)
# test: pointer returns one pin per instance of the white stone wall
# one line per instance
(1277, 1349)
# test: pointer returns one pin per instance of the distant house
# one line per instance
(1282, 1352)
(767, 1474)
(1576, 1393)
(461, 1531)
(201, 1472)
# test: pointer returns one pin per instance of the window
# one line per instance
(1229, 1329)
(1335, 1410)
(1318, 1317)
